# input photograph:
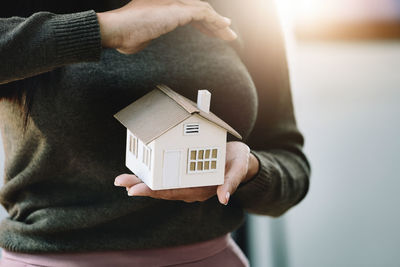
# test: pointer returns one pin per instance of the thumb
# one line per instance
(225, 190)
(236, 169)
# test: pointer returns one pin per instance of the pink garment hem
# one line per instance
(144, 257)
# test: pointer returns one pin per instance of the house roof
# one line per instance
(160, 110)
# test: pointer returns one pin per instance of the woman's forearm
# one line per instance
(44, 41)
(130, 28)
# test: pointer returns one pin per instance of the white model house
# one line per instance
(173, 142)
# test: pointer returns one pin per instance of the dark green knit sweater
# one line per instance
(59, 172)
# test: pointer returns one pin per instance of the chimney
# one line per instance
(203, 100)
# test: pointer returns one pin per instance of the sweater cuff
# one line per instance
(261, 186)
(77, 37)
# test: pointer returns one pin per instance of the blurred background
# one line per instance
(344, 58)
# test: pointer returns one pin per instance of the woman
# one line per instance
(64, 76)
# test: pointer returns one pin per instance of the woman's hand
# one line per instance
(130, 28)
(240, 167)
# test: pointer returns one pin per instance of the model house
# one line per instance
(173, 142)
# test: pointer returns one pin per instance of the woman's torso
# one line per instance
(59, 174)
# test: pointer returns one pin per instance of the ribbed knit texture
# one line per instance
(59, 173)
(44, 41)
(77, 36)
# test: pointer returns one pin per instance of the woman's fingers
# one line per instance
(140, 189)
(203, 11)
(211, 18)
(200, 27)
(234, 172)
(226, 34)
(236, 168)
(214, 22)
(184, 194)
(136, 187)
(126, 180)
(130, 28)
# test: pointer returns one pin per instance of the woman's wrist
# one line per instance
(109, 35)
(253, 168)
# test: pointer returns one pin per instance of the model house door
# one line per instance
(172, 168)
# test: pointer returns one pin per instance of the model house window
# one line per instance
(133, 145)
(191, 128)
(146, 156)
(202, 160)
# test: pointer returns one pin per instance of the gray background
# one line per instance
(347, 103)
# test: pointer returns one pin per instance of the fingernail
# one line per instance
(227, 198)
(116, 182)
(234, 34)
(135, 192)
(228, 20)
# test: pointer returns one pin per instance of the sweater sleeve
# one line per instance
(45, 41)
(283, 177)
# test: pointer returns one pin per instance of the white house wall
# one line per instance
(136, 165)
(210, 136)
